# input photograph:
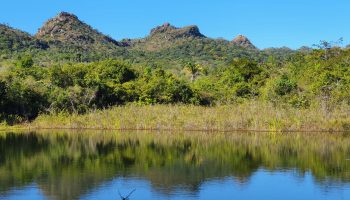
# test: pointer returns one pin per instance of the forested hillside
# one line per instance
(65, 38)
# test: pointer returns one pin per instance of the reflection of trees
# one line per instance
(65, 166)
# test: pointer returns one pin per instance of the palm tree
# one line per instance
(194, 69)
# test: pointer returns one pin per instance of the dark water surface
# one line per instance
(96, 165)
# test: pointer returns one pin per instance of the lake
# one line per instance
(153, 165)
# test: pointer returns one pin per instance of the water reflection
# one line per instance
(87, 165)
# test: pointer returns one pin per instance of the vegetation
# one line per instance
(305, 83)
(79, 71)
(250, 115)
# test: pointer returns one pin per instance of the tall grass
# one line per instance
(246, 116)
(5, 127)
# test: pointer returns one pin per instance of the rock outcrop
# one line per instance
(171, 32)
(66, 28)
(243, 41)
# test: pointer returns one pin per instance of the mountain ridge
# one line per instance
(65, 37)
(67, 29)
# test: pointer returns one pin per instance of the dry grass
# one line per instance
(248, 116)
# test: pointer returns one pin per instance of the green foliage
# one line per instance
(26, 62)
(242, 90)
(284, 85)
(75, 88)
(25, 98)
(302, 80)
(240, 80)
(246, 68)
(71, 70)
(158, 86)
(194, 70)
(299, 101)
(15, 40)
(3, 92)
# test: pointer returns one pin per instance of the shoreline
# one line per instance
(170, 130)
(247, 117)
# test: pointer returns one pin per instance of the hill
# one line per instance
(67, 29)
(243, 41)
(166, 36)
(12, 39)
(65, 38)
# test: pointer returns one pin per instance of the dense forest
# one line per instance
(70, 67)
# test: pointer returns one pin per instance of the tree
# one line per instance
(3, 91)
(284, 85)
(329, 48)
(163, 87)
(194, 70)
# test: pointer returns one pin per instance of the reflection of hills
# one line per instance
(71, 185)
(66, 166)
(191, 178)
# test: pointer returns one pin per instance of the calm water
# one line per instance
(96, 165)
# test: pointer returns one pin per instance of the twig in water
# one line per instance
(126, 197)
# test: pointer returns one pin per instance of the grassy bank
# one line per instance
(247, 116)
(5, 127)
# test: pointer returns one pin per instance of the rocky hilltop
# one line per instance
(66, 38)
(167, 36)
(67, 29)
(243, 41)
(169, 32)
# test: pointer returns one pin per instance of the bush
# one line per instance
(284, 85)
(26, 62)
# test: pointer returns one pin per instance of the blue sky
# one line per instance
(268, 23)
